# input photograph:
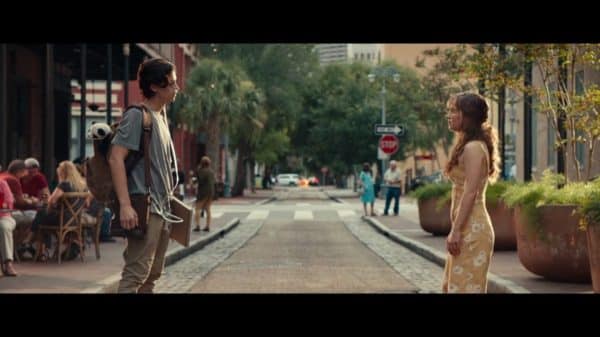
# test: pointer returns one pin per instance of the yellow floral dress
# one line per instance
(467, 272)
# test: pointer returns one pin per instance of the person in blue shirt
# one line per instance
(368, 190)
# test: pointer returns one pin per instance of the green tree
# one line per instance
(246, 131)
(570, 103)
(280, 71)
(442, 79)
(212, 94)
(341, 108)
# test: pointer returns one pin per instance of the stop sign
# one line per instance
(388, 144)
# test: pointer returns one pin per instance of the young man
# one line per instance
(145, 258)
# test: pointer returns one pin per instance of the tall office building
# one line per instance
(353, 52)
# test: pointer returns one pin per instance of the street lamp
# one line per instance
(384, 73)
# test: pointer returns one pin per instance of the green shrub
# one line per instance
(589, 205)
(429, 191)
(441, 191)
(494, 192)
(550, 190)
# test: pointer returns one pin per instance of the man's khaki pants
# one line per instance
(145, 259)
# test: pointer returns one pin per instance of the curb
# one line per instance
(111, 283)
(496, 284)
(266, 201)
(336, 199)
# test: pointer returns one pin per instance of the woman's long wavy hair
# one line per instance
(67, 171)
(475, 126)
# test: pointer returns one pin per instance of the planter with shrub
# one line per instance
(590, 221)
(501, 216)
(549, 240)
(434, 207)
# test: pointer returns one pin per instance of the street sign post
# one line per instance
(393, 129)
(389, 144)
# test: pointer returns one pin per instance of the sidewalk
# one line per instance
(249, 198)
(101, 275)
(508, 274)
(505, 264)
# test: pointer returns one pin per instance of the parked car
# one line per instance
(288, 179)
(313, 181)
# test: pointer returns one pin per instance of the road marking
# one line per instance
(302, 204)
(257, 215)
(345, 213)
(303, 215)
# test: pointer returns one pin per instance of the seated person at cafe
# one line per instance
(27, 205)
(69, 180)
(17, 170)
(35, 183)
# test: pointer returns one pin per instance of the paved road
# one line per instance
(301, 243)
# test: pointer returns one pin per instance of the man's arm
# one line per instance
(116, 162)
(127, 139)
(20, 201)
(44, 192)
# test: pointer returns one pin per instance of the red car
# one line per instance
(313, 181)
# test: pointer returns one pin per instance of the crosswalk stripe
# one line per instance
(302, 204)
(258, 215)
(303, 215)
(345, 213)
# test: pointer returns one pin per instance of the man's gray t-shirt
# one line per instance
(128, 136)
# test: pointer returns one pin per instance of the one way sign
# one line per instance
(386, 129)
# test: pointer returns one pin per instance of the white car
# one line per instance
(288, 179)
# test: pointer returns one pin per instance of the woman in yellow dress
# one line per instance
(473, 163)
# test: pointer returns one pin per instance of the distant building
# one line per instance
(349, 52)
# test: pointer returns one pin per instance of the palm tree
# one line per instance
(246, 130)
(212, 100)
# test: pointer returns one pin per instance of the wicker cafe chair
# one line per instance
(69, 221)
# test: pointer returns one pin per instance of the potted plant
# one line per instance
(549, 241)
(501, 216)
(590, 222)
(434, 207)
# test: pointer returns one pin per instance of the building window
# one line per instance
(356, 56)
(369, 57)
(362, 56)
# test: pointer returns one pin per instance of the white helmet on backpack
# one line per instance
(99, 131)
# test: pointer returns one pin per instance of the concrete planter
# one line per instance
(593, 240)
(504, 227)
(436, 222)
(559, 252)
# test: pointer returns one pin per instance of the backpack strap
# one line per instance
(146, 135)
